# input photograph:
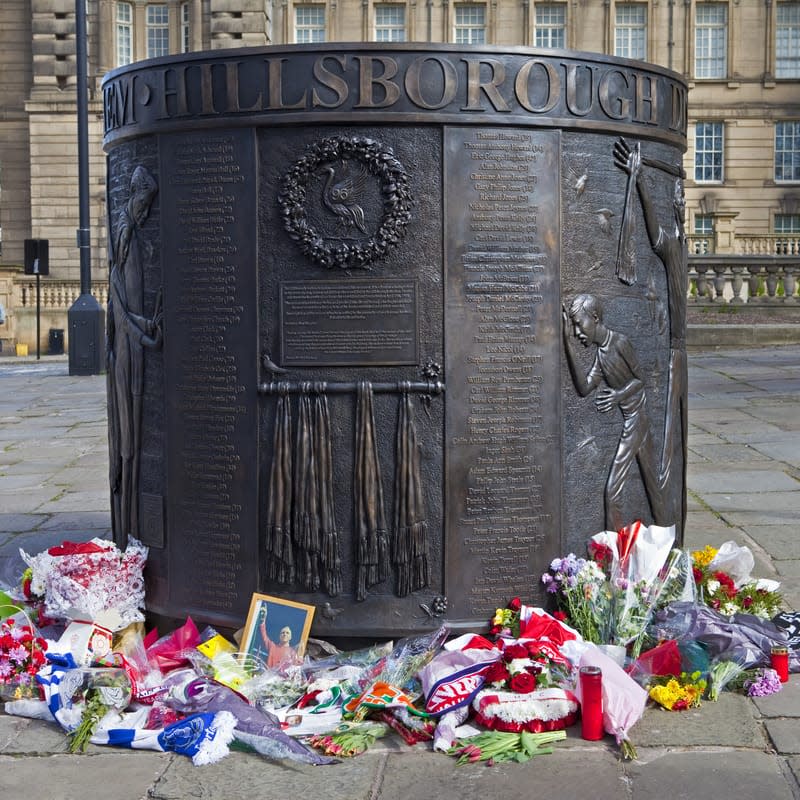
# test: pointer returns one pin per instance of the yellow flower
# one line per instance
(702, 558)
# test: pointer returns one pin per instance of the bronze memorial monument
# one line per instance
(390, 326)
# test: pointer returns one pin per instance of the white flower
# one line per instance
(712, 587)
(728, 609)
(517, 665)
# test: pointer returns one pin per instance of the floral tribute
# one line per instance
(679, 693)
(22, 655)
(720, 591)
(673, 620)
(523, 690)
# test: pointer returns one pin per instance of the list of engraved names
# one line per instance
(506, 298)
(205, 182)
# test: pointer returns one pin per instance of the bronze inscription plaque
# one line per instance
(502, 355)
(349, 323)
(210, 283)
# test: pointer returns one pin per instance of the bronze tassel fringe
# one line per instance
(410, 544)
(369, 518)
(278, 538)
(306, 510)
(330, 558)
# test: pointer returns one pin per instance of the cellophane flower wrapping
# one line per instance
(90, 577)
(694, 623)
(623, 699)
(22, 655)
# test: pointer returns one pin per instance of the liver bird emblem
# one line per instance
(341, 197)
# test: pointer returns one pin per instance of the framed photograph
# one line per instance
(277, 630)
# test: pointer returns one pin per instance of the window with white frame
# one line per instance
(309, 24)
(185, 40)
(787, 151)
(157, 21)
(124, 35)
(711, 40)
(551, 25)
(704, 234)
(708, 152)
(630, 32)
(787, 223)
(470, 23)
(390, 23)
(787, 41)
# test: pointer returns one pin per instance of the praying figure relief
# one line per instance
(668, 242)
(616, 365)
(128, 333)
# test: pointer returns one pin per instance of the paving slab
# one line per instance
(116, 775)
(784, 734)
(589, 773)
(733, 775)
(244, 776)
(765, 479)
(729, 722)
(785, 703)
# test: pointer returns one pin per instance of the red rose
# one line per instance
(523, 683)
(697, 574)
(515, 651)
(560, 616)
(515, 604)
(747, 602)
(497, 673)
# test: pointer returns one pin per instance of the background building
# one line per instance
(741, 58)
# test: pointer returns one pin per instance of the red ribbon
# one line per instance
(76, 548)
(626, 538)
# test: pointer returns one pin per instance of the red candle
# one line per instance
(780, 662)
(591, 703)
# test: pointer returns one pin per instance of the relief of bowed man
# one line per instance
(616, 364)
(668, 242)
(128, 333)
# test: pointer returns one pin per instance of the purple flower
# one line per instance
(765, 684)
(5, 669)
(18, 654)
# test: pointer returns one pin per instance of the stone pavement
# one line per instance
(744, 445)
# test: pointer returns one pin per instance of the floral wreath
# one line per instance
(395, 189)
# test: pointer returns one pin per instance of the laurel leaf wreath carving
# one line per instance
(395, 190)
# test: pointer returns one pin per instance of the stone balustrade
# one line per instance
(55, 295)
(752, 280)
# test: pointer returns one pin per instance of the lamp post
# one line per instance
(85, 317)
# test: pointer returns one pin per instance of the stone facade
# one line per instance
(38, 128)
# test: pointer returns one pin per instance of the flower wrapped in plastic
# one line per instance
(22, 655)
(89, 578)
(724, 582)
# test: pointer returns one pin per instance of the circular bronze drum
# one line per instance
(391, 326)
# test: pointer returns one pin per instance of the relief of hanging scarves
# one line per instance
(625, 268)
(305, 519)
(410, 544)
(278, 534)
(369, 517)
(329, 556)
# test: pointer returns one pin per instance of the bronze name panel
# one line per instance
(353, 323)
(210, 354)
(503, 424)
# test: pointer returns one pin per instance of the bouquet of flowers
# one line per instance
(582, 591)
(677, 693)
(763, 682)
(90, 577)
(730, 594)
(21, 657)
